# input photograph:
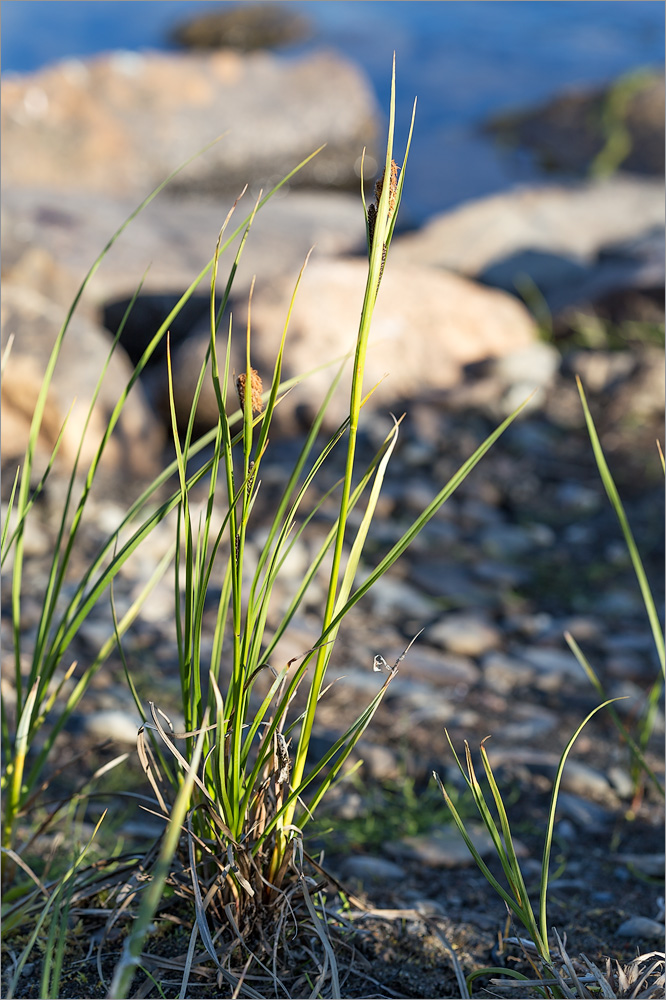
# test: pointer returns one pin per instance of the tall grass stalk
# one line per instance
(616, 502)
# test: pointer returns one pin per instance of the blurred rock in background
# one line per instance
(120, 123)
(245, 27)
(600, 131)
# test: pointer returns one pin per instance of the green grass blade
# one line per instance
(22, 499)
(408, 537)
(362, 533)
(377, 255)
(53, 899)
(81, 686)
(60, 562)
(17, 766)
(614, 497)
(636, 751)
(511, 866)
(401, 178)
(40, 405)
(483, 867)
(543, 923)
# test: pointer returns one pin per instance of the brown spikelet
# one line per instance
(373, 209)
(379, 187)
(256, 387)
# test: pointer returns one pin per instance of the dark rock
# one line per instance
(444, 847)
(651, 865)
(451, 583)
(619, 126)
(246, 27)
(423, 663)
(546, 271)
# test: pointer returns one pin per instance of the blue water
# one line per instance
(464, 60)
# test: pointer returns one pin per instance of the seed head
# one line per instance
(256, 389)
(379, 186)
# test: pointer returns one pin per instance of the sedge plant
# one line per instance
(256, 787)
(243, 788)
(514, 892)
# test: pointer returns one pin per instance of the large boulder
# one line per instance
(427, 325)
(571, 221)
(244, 27)
(33, 322)
(170, 241)
(119, 124)
(575, 243)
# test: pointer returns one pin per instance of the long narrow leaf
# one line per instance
(551, 818)
(619, 724)
(614, 497)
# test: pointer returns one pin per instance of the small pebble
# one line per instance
(576, 498)
(650, 864)
(390, 596)
(467, 634)
(444, 847)
(642, 928)
(422, 663)
(380, 762)
(453, 583)
(531, 366)
(113, 724)
(553, 667)
(621, 781)
(588, 815)
(581, 779)
(505, 541)
(503, 673)
(371, 869)
(528, 722)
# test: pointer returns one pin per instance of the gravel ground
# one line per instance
(527, 549)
